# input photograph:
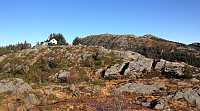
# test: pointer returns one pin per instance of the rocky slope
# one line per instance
(94, 78)
(148, 45)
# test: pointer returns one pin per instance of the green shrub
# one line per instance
(187, 72)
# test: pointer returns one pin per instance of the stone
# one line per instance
(91, 89)
(99, 71)
(194, 80)
(155, 78)
(112, 70)
(122, 88)
(174, 64)
(60, 76)
(140, 65)
(146, 104)
(2, 58)
(140, 88)
(184, 84)
(190, 94)
(6, 65)
(34, 51)
(157, 104)
(14, 85)
(159, 64)
(72, 88)
(134, 67)
(54, 87)
(31, 99)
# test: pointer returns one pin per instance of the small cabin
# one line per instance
(53, 41)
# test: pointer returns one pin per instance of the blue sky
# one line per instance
(34, 20)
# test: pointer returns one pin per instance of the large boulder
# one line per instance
(140, 65)
(189, 94)
(140, 88)
(117, 68)
(14, 85)
(134, 67)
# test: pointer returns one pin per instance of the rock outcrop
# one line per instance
(192, 95)
(148, 45)
(139, 87)
(14, 85)
(135, 64)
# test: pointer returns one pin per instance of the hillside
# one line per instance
(68, 77)
(148, 45)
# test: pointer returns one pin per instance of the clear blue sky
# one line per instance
(176, 20)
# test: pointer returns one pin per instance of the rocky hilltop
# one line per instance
(80, 77)
(148, 45)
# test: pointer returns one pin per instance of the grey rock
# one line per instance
(15, 85)
(54, 87)
(6, 65)
(173, 72)
(122, 88)
(194, 80)
(61, 75)
(140, 88)
(146, 104)
(140, 65)
(2, 58)
(31, 99)
(158, 104)
(105, 51)
(34, 51)
(155, 78)
(184, 84)
(91, 89)
(72, 88)
(190, 94)
(159, 64)
(98, 71)
(113, 69)
(134, 67)
(174, 64)
(128, 54)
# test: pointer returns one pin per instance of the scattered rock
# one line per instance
(14, 85)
